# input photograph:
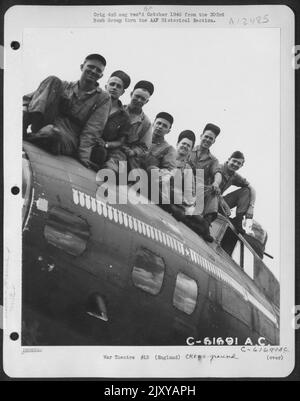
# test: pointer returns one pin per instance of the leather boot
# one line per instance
(237, 221)
(200, 226)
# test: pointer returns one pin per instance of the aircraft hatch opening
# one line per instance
(96, 307)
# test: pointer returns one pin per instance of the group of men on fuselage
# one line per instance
(81, 120)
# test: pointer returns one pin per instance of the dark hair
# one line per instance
(146, 85)
(237, 155)
(97, 57)
(187, 134)
(212, 127)
(125, 78)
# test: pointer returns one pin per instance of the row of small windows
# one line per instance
(148, 274)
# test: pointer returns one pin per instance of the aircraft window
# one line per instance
(26, 187)
(239, 252)
(148, 271)
(248, 262)
(185, 294)
(236, 253)
(66, 231)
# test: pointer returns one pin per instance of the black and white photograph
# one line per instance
(152, 146)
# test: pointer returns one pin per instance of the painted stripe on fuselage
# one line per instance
(109, 212)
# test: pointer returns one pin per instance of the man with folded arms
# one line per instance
(139, 138)
(107, 153)
(162, 155)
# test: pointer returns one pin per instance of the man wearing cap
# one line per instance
(117, 127)
(68, 117)
(201, 158)
(161, 155)
(140, 135)
(244, 198)
(184, 211)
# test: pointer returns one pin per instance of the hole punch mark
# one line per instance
(14, 336)
(15, 45)
(15, 190)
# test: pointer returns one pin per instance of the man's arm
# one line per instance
(115, 144)
(142, 147)
(217, 182)
(169, 159)
(93, 129)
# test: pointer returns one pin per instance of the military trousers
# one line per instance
(52, 131)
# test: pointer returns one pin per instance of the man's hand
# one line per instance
(101, 142)
(129, 152)
(250, 212)
(216, 188)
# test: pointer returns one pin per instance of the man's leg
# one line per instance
(44, 105)
(200, 225)
(210, 213)
(239, 199)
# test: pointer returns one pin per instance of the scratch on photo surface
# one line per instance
(1, 317)
(1, 57)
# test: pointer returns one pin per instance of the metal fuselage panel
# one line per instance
(74, 246)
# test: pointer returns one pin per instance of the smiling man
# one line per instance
(175, 201)
(161, 155)
(140, 135)
(244, 198)
(117, 127)
(201, 158)
(184, 211)
(68, 117)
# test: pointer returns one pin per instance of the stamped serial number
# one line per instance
(213, 341)
(225, 341)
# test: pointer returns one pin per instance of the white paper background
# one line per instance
(237, 76)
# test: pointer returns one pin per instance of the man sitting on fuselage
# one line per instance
(201, 158)
(187, 191)
(139, 138)
(244, 198)
(69, 117)
(107, 153)
(161, 155)
(139, 135)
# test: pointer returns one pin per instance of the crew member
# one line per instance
(244, 198)
(68, 117)
(117, 127)
(139, 138)
(201, 158)
(161, 156)
(184, 211)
